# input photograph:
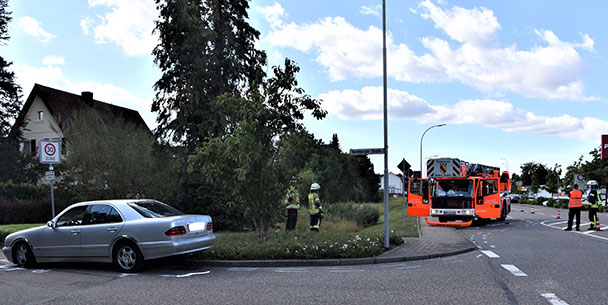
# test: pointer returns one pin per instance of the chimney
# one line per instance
(87, 98)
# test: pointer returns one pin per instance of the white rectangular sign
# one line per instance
(366, 151)
(50, 152)
(49, 175)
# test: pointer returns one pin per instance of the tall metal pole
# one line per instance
(386, 239)
(421, 138)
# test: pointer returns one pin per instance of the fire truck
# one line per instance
(459, 192)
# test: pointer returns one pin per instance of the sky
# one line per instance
(514, 81)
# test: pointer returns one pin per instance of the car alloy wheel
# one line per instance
(23, 255)
(128, 258)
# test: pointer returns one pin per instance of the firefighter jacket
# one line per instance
(576, 199)
(291, 200)
(314, 204)
(593, 200)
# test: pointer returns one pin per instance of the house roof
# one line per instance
(62, 105)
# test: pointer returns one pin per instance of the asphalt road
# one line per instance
(530, 260)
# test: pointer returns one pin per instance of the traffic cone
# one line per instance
(532, 210)
(558, 215)
(522, 208)
(597, 223)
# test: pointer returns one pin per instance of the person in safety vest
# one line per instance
(574, 208)
(593, 201)
(293, 204)
(314, 207)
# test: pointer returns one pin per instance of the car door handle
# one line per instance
(112, 229)
(75, 232)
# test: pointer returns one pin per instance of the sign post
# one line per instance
(50, 153)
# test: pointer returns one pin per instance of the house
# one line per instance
(48, 111)
(395, 184)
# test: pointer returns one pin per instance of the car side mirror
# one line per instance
(51, 224)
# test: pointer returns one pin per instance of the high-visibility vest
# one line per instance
(576, 199)
(314, 203)
(295, 203)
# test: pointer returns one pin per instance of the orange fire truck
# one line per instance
(458, 192)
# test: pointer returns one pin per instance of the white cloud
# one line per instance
(370, 10)
(53, 77)
(33, 28)
(53, 60)
(366, 104)
(472, 56)
(129, 25)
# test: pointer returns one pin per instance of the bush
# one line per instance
(551, 202)
(21, 191)
(17, 211)
(296, 245)
(363, 214)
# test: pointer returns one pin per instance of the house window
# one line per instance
(40, 115)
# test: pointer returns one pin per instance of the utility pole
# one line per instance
(386, 239)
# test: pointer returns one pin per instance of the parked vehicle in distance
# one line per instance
(122, 232)
(515, 198)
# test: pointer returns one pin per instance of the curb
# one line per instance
(328, 262)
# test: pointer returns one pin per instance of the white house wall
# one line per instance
(36, 129)
(394, 184)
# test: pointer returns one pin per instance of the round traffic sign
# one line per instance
(50, 149)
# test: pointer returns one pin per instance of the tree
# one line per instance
(109, 158)
(553, 179)
(534, 175)
(10, 92)
(245, 161)
(206, 49)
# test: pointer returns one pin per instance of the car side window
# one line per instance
(102, 213)
(73, 217)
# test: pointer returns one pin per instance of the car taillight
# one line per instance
(176, 231)
(209, 227)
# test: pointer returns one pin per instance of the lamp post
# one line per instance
(506, 162)
(421, 138)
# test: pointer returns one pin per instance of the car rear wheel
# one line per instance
(128, 257)
(23, 256)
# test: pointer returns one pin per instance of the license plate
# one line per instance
(449, 212)
(197, 226)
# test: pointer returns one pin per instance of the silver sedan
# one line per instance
(123, 232)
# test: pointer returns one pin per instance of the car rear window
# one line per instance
(154, 209)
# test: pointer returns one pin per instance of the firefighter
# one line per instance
(574, 208)
(593, 201)
(293, 204)
(314, 207)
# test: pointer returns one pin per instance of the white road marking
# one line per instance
(287, 270)
(490, 254)
(127, 274)
(41, 270)
(242, 269)
(4, 260)
(553, 299)
(514, 270)
(344, 270)
(583, 224)
(492, 246)
(408, 267)
(186, 275)
(14, 269)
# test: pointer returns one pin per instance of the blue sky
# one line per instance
(515, 81)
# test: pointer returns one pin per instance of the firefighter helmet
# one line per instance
(315, 187)
(592, 183)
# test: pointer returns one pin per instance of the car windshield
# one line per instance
(454, 188)
(154, 209)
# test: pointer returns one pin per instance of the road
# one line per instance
(529, 260)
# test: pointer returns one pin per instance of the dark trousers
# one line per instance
(292, 219)
(571, 213)
(315, 222)
(593, 217)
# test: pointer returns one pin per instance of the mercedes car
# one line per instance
(122, 232)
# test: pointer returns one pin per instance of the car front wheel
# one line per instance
(23, 256)
(128, 258)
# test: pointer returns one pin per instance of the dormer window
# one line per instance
(40, 115)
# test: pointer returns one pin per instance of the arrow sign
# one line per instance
(366, 151)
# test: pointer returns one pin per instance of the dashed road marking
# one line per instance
(552, 224)
(127, 274)
(185, 275)
(514, 270)
(344, 270)
(41, 270)
(490, 254)
(14, 269)
(288, 270)
(240, 269)
(553, 299)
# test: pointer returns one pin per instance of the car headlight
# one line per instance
(468, 212)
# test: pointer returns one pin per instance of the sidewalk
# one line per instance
(433, 242)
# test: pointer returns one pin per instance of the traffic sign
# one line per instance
(604, 146)
(403, 166)
(50, 152)
(366, 151)
(49, 175)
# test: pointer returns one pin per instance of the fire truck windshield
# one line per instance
(454, 188)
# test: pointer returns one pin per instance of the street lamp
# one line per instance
(421, 138)
(506, 162)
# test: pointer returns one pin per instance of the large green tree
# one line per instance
(246, 159)
(206, 49)
(10, 92)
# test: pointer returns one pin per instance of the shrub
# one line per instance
(15, 211)
(21, 191)
(363, 214)
(551, 202)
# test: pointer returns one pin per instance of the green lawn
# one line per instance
(395, 217)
